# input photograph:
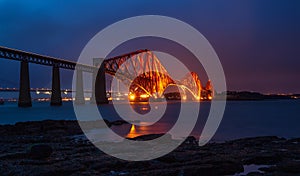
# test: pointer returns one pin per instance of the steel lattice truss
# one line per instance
(143, 73)
(191, 83)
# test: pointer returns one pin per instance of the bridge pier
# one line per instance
(100, 86)
(93, 97)
(56, 99)
(24, 93)
(79, 97)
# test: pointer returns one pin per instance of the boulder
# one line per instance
(40, 151)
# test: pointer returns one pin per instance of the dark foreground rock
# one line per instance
(40, 151)
(59, 148)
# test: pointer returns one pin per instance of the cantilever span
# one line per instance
(145, 76)
(141, 71)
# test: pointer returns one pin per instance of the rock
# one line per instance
(53, 127)
(229, 167)
(75, 155)
(190, 143)
(255, 174)
(191, 140)
(264, 158)
(40, 151)
(225, 168)
(204, 169)
(268, 169)
(13, 156)
(118, 122)
(113, 173)
(290, 167)
(167, 159)
(107, 123)
(150, 137)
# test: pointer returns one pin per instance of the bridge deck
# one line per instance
(19, 55)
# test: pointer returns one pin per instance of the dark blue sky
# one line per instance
(258, 42)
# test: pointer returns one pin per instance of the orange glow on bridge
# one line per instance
(146, 78)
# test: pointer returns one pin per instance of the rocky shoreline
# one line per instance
(52, 148)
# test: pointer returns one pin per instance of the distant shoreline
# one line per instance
(230, 95)
(251, 96)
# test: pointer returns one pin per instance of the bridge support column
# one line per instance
(79, 97)
(56, 99)
(100, 86)
(93, 97)
(24, 92)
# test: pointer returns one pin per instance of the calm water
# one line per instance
(241, 119)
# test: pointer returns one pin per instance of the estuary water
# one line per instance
(241, 118)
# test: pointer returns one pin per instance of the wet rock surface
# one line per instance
(54, 148)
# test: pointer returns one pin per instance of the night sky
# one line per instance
(258, 42)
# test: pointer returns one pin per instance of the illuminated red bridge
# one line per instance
(147, 78)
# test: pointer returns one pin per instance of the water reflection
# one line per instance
(141, 107)
(132, 131)
(148, 124)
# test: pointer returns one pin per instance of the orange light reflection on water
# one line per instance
(132, 133)
(136, 130)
